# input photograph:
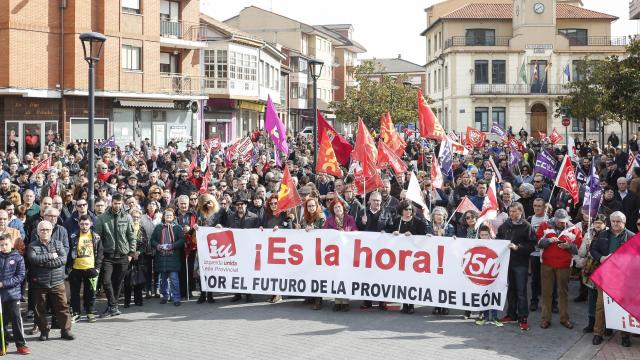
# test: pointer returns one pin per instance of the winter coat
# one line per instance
(348, 223)
(118, 240)
(45, 271)
(12, 275)
(168, 262)
(520, 234)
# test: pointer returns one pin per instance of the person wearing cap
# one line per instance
(558, 240)
(607, 243)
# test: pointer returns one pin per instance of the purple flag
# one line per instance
(109, 142)
(275, 128)
(593, 193)
(546, 165)
(445, 157)
(515, 157)
(498, 130)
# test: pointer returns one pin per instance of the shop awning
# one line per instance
(250, 105)
(147, 104)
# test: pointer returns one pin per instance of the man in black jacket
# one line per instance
(608, 241)
(47, 257)
(519, 232)
(241, 219)
(374, 219)
(630, 203)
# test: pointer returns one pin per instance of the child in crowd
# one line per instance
(489, 316)
(12, 273)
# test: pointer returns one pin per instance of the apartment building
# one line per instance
(240, 73)
(331, 44)
(147, 82)
(508, 61)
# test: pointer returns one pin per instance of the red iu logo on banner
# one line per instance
(480, 264)
(221, 245)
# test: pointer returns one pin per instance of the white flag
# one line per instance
(415, 194)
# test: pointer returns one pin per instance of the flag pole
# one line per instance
(4, 346)
(450, 218)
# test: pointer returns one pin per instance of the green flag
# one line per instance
(523, 72)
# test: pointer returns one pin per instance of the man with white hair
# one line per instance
(608, 242)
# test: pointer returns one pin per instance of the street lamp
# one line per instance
(441, 63)
(92, 43)
(315, 68)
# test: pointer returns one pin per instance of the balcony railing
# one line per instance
(181, 84)
(519, 89)
(182, 30)
(599, 41)
(470, 41)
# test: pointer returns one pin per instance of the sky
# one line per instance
(385, 28)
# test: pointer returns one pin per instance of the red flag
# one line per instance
(555, 137)
(205, 182)
(365, 152)
(618, 276)
(327, 162)
(490, 205)
(567, 179)
(193, 162)
(475, 137)
(372, 183)
(408, 132)
(387, 158)
(340, 145)
(430, 127)
(390, 136)
(288, 196)
(43, 165)
(436, 173)
(466, 205)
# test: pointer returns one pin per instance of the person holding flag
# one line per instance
(559, 240)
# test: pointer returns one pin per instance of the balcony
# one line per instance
(472, 41)
(519, 89)
(599, 41)
(182, 35)
(180, 84)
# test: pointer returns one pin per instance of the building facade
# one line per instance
(331, 44)
(146, 81)
(634, 9)
(507, 62)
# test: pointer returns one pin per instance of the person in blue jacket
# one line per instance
(12, 273)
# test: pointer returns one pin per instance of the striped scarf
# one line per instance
(166, 237)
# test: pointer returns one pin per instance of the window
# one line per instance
(169, 10)
(498, 116)
(482, 71)
(594, 124)
(429, 83)
(482, 118)
(446, 77)
(216, 68)
(577, 125)
(480, 37)
(429, 48)
(498, 72)
(577, 37)
(168, 63)
(298, 91)
(575, 74)
(131, 6)
(131, 57)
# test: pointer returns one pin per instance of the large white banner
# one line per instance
(618, 318)
(458, 273)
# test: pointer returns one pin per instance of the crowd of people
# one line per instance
(139, 239)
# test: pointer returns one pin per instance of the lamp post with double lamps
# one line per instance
(92, 43)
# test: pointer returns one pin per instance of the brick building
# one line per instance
(147, 80)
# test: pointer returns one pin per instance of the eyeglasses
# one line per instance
(537, 181)
(273, 203)
(470, 217)
(85, 204)
(45, 229)
(192, 199)
(158, 192)
(4, 218)
(121, 188)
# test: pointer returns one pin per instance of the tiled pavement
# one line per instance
(292, 330)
